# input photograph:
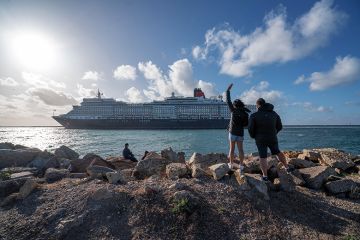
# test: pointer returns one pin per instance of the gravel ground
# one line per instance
(81, 209)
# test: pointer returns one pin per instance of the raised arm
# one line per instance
(228, 98)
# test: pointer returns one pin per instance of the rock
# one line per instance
(127, 175)
(53, 175)
(77, 175)
(27, 188)
(219, 170)
(178, 186)
(176, 170)
(301, 163)
(200, 164)
(41, 160)
(66, 152)
(18, 157)
(273, 173)
(357, 161)
(337, 160)
(291, 154)
(341, 186)
(355, 193)
(21, 175)
(309, 155)
(316, 176)
(151, 188)
(197, 171)
(172, 156)
(7, 145)
(252, 165)
(181, 157)
(98, 171)
(253, 185)
(121, 163)
(114, 177)
(9, 200)
(12, 170)
(333, 178)
(80, 165)
(64, 163)
(288, 182)
(10, 186)
(185, 202)
(101, 194)
(153, 164)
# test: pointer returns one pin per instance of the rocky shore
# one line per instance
(57, 195)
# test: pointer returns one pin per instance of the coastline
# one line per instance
(167, 196)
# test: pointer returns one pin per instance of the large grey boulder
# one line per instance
(80, 165)
(44, 160)
(27, 188)
(53, 175)
(7, 145)
(219, 170)
(17, 157)
(252, 164)
(176, 170)
(172, 156)
(95, 171)
(11, 186)
(301, 163)
(339, 160)
(121, 163)
(315, 177)
(114, 177)
(341, 186)
(153, 164)
(21, 175)
(289, 181)
(66, 152)
(309, 155)
(252, 185)
(200, 164)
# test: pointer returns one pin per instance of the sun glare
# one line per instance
(33, 50)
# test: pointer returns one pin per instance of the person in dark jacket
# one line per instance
(127, 154)
(238, 120)
(264, 126)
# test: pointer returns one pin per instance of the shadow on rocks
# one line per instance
(311, 212)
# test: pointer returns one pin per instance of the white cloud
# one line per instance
(85, 92)
(312, 107)
(10, 82)
(38, 81)
(180, 80)
(92, 76)
(276, 42)
(345, 70)
(260, 91)
(51, 97)
(125, 72)
(134, 95)
(300, 79)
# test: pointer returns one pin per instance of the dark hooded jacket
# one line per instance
(265, 124)
(239, 117)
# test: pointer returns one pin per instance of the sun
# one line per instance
(33, 50)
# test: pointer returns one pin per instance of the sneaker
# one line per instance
(230, 166)
(265, 179)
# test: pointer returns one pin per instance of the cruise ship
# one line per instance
(174, 112)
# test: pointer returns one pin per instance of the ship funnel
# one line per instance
(199, 93)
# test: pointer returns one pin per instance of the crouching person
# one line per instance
(127, 154)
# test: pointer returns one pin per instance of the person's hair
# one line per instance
(260, 102)
(146, 152)
(238, 103)
(126, 144)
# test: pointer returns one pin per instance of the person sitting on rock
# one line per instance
(127, 154)
(239, 120)
(145, 154)
(264, 126)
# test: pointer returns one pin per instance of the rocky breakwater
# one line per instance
(59, 195)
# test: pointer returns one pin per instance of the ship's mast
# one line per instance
(99, 94)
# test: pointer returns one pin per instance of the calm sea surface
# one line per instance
(111, 142)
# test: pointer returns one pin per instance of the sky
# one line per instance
(301, 56)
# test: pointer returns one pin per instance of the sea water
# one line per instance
(111, 142)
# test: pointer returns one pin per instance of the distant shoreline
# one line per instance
(330, 125)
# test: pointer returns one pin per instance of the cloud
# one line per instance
(179, 80)
(134, 95)
(345, 70)
(277, 41)
(311, 107)
(300, 79)
(51, 97)
(38, 80)
(125, 72)
(10, 82)
(85, 92)
(261, 91)
(92, 76)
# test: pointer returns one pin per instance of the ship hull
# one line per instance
(143, 124)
